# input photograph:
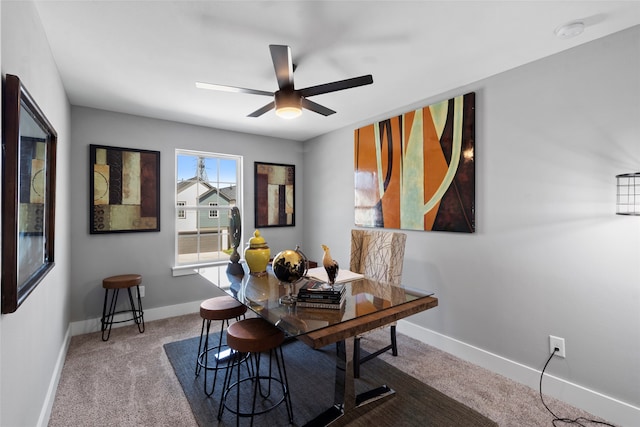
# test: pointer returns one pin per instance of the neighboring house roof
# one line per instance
(228, 193)
(183, 185)
(208, 194)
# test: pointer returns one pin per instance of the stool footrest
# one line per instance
(274, 405)
(223, 355)
(137, 318)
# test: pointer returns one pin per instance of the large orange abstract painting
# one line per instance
(416, 171)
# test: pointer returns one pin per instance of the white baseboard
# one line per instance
(150, 314)
(47, 406)
(591, 401)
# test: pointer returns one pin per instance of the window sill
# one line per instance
(191, 269)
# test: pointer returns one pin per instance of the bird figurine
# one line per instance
(330, 265)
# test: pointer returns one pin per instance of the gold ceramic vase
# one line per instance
(257, 254)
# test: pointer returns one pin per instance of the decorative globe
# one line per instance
(289, 266)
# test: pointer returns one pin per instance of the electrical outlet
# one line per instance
(141, 291)
(557, 342)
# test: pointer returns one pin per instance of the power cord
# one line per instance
(556, 418)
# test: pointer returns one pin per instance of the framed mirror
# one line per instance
(28, 194)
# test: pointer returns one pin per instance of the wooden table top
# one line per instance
(368, 305)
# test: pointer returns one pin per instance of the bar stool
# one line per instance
(222, 308)
(115, 283)
(254, 336)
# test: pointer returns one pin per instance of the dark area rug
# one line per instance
(311, 375)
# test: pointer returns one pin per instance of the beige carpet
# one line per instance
(128, 381)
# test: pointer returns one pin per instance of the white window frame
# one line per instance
(199, 266)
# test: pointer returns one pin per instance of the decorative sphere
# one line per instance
(289, 266)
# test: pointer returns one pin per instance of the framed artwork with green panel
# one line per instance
(124, 190)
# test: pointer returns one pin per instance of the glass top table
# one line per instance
(363, 297)
(368, 305)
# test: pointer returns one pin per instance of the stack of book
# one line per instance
(317, 294)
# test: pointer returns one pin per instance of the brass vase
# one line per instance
(257, 254)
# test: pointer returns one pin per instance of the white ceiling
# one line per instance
(144, 57)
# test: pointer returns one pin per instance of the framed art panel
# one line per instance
(124, 190)
(416, 171)
(274, 195)
(28, 199)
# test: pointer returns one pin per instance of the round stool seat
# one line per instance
(254, 335)
(222, 308)
(122, 281)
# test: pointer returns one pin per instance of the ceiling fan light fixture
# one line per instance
(288, 104)
(288, 112)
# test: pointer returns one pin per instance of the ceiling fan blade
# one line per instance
(282, 64)
(262, 110)
(336, 86)
(320, 109)
(222, 88)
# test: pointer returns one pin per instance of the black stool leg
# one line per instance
(206, 358)
(107, 317)
(103, 319)
(256, 386)
(228, 377)
(205, 355)
(198, 365)
(285, 383)
(225, 386)
(235, 363)
(140, 310)
(269, 376)
(137, 313)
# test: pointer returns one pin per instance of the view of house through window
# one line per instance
(208, 185)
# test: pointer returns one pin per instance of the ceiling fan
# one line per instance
(287, 100)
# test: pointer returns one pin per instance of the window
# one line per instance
(213, 213)
(181, 213)
(208, 185)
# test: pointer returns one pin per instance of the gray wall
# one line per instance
(32, 340)
(152, 254)
(549, 256)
